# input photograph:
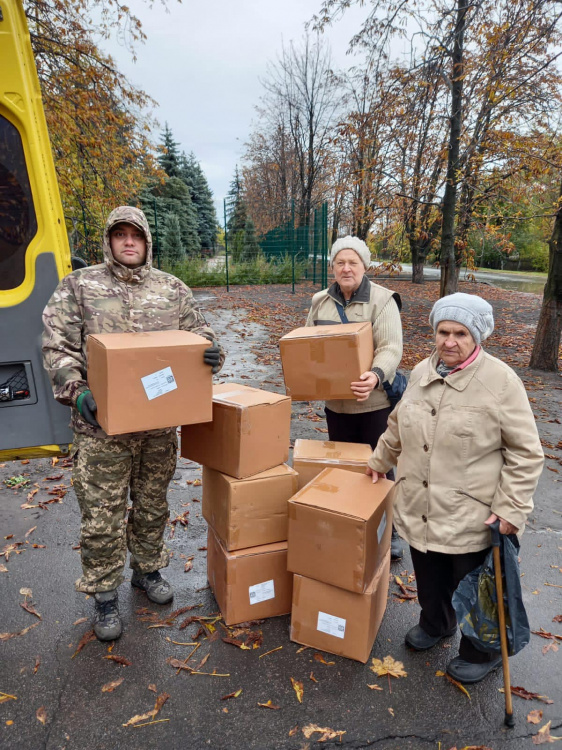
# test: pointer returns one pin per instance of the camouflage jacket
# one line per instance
(111, 298)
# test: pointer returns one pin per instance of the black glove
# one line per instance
(87, 407)
(212, 357)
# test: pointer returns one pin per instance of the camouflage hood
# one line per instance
(130, 215)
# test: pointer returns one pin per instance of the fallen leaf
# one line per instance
(534, 717)
(521, 692)
(388, 666)
(271, 705)
(391, 712)
(119, 659)
(298, 688)
(236, 642)
(7, 636)
(7, 697)
(3, 569)
(320, 658)
(235, 694)
(325, 732)
(37, 664)
(162, 698)
(80, 621)
(544, 736)
(109, 687)
(26, 593)
(558, 618)
(374, 687)
(312, 677)
(153, 688)
(30, 531)
(41, 715)
(293, 731)
(31, 609)
(88, 636)
(459, 686)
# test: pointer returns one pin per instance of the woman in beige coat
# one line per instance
(467, 452)
(354, 298)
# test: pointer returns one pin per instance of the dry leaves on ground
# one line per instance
(325, 733)
(109, 687)
(534, 717)
(235, 694)
(7, 697)
(388, 666)
(7, 636)
(458, 685)
(521, 692)
(322, 660)
(162, 698)
(41, 715)
(119, 660)
(88, 636)
(269, 704)
(298, 688)
(543, 735)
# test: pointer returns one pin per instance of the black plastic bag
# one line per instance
(476, 603)
(395, 390)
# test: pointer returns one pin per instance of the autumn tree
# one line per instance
(300, 86)
(98, 122)
(546, 347)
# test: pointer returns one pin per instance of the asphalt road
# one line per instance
(59, 699)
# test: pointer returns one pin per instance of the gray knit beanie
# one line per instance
(351, 243)
(467, 309)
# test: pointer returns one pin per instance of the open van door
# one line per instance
(34, 250)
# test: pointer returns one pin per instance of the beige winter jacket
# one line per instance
(465, 446)
(380, 306)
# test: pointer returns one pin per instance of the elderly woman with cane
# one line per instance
(353, 298)
(467, 452)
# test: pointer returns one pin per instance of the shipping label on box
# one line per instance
(339, 528)
(310, 457)
(249, 584)
(149, 380)
(338, 621)
(321, 362)
(251, 511)
(249, 432)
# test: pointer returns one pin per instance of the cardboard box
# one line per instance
(338, 621)
(320, 362)
(249, 584)
(149, 380)
(249, 432)
(248, 512)
(339, 528)
(310, 457)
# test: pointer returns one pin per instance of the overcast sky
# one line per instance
(202, 63)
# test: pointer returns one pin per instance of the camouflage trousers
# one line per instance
(106, 474)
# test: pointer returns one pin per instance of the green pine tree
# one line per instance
(172, 247)
(235, 200)
(251, 248)
(169, 158)
(202, 197)
(173, 196)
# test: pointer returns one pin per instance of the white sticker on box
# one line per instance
(382, 527)
(261, 592)
(331, 625)
(159, 383)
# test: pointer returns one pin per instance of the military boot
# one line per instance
(157, 588)
(107, 623)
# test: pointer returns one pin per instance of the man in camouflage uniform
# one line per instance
(124, 294)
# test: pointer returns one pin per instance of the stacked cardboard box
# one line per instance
(339, 549)
(246, 488)
(310, 457)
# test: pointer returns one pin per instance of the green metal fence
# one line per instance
(301, 250)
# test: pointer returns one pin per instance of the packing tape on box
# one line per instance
(225, 397)
(317, 350)
(323, 388)
(245, 422)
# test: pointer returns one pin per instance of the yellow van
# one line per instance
(34, 250)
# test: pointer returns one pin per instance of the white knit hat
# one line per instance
(351, 243)
(467, 309)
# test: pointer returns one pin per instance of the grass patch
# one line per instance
(197, 272)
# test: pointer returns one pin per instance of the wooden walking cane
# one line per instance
(509, 721)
